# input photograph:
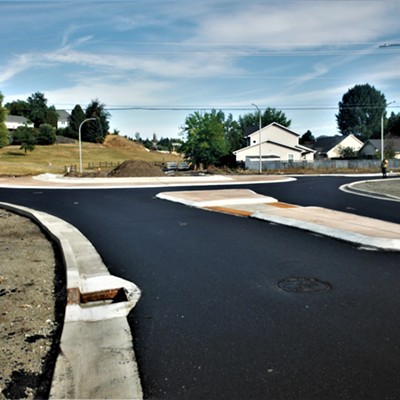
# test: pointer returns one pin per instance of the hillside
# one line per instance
(54, 159)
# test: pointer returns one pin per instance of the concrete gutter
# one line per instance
(362, 231)
(96, 358)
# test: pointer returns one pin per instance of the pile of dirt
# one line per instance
(136, 168)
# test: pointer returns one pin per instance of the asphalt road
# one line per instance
(213, 323)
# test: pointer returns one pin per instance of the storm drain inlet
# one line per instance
(303, 285)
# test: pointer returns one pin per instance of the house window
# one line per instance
(290, 157)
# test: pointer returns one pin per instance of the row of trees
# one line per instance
(209, 137)
(92, 131)
(45, 119)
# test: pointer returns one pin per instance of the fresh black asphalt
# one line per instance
(212, 322)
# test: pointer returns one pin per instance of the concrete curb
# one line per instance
(378, 243)
(229, 197)
(362, 231)
(350, 188)
(96, 358)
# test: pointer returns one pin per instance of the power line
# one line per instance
(238, 108)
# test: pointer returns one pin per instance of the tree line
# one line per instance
(208, 137)
(45, 119)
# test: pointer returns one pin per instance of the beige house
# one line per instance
(331, 146)
(278, 143)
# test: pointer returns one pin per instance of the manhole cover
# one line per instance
(303, 285)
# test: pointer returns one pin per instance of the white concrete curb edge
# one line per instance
(96, 358)
(351, 237)
(212, 203)
(349, 188)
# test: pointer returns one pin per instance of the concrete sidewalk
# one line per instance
(362, 231)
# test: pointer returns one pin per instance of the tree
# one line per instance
(75, 119)
(307, 139)
(96, 131)
(360, 112)
(26, 138)
(45, 135)
(19, 108)
(249, 123)
(393, 125)
(205, 138)
(37, 109)
(347, 152)
(234, 135)
(4, 135)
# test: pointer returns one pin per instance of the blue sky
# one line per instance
(153, 62)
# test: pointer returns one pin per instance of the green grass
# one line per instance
(54, 159)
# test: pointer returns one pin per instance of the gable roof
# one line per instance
(256, 130)
(324, 144)
(376, 143)
(16, 119)
(63, 115)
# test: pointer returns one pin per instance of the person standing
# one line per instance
(384, 165)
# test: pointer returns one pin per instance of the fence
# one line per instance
(100, 165)
(104, 164)
(253, 164)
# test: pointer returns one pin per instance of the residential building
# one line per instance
(63, 119)
(372, 147)
(13, 122)
(331, 146)
(278, 143)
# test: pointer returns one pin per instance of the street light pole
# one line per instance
(80, 142)
(259, 139)
(382, 144)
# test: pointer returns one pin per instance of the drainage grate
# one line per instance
(303, 285)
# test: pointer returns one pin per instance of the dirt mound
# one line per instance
(119, 142)
(136, 168)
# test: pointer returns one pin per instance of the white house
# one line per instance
(372, 147)
(331, 146)
(63, 119)
(278, 143)
(13, 122)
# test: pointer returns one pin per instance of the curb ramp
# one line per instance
(362, 231)
(96, 358)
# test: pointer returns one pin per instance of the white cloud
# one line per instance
(295, 24)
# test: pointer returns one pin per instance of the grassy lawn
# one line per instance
(54, 159)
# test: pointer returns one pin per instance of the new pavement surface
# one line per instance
(248, 203)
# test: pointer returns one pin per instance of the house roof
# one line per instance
(252, 131)
(63, 115)
(324, 144)
(376, 143)
(16, 119)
